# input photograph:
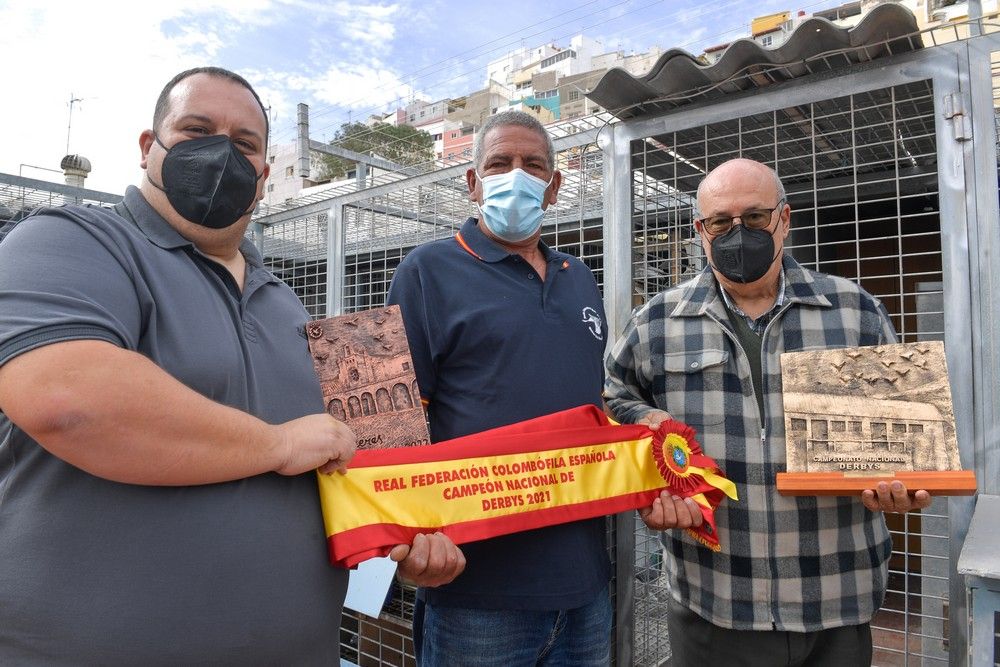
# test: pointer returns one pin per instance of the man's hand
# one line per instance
(654, 418)
(432, 560)
(315, 441)
(669, 511)
(894, 498)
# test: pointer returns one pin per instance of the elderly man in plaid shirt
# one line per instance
(798, 578)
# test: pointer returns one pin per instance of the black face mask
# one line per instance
(208, 181)
(743, 255)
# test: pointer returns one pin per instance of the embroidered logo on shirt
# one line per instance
(593, 321)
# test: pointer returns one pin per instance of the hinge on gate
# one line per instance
(954, 111)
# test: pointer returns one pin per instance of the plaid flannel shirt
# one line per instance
(787, 563)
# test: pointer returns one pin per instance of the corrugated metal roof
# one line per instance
(816, 45)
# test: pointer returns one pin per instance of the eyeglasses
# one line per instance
(754, 218)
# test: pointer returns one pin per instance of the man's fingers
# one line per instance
(669, 511)
(694, 513)
(894, 498)
(432, 560)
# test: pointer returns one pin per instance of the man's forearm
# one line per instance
(117, 415)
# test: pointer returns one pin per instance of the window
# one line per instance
(289, 172)
(270, 187)
(766, 40)
(798, 424)
(559, 57)
(573, 96)
(271, 159)
(837, 427)
(436, 137)
(898, 428)
(916, 428)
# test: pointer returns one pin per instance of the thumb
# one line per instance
(399, 552)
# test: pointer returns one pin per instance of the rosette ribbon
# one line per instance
(567, 466)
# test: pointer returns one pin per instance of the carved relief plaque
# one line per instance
(856, 416)
(364, 367)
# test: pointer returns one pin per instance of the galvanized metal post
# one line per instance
(335, 243)
(617, 306)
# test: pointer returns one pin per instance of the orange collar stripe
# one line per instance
(461, 242)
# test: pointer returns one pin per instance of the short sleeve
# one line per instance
(407, 291)
(63, 276)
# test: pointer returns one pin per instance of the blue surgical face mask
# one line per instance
(512, 204)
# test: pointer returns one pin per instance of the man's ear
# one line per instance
(473, 183)
(146, 140)
(554, 187)
(786, 220)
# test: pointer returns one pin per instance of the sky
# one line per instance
(345, 59)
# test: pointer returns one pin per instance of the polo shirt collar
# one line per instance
(151, 223)
(477, 244)
(160, 233)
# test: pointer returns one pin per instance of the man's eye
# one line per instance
(718, 223)
(754, 217)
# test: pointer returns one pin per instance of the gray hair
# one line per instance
(779, 187)
(519, 119)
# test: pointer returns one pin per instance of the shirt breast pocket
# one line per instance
(694, 386)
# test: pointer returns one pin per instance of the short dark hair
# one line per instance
(519, 119)
(163, 101)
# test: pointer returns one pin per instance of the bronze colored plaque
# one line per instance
(364, 367)
(857, 416)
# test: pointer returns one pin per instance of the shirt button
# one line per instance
(531, 276)
(694, 364)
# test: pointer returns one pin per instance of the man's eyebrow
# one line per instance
(209, 121)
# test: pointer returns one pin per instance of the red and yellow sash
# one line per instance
(562, 467)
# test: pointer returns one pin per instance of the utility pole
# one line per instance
(69, 124)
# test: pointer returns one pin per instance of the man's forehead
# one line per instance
(204, 94)
(745, 183)
(504, 138)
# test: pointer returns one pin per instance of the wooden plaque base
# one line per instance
(937, 483)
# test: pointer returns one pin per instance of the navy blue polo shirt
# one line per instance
(98, 572)
(493, 344)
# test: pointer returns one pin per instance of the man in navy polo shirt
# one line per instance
(503, 328)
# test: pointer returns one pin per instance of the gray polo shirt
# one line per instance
(98, 572)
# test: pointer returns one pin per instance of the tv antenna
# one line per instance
(69, 124)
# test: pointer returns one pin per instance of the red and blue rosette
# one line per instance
(690, 474)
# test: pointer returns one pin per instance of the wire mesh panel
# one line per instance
(19, 196)
(296, 252)
(860, 173)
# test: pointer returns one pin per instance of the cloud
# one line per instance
(117, 73)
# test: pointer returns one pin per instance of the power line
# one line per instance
(649, 27)
(333, 108)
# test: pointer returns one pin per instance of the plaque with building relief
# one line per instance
(858, 416)
(364, 367)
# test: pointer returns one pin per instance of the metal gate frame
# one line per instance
(967, 172)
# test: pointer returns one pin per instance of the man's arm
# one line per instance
(626, 392)
(116, 415)
(629, 398)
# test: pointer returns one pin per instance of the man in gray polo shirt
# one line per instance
(161, 419)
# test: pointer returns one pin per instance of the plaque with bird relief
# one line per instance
(857, 416)
(366, 373)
